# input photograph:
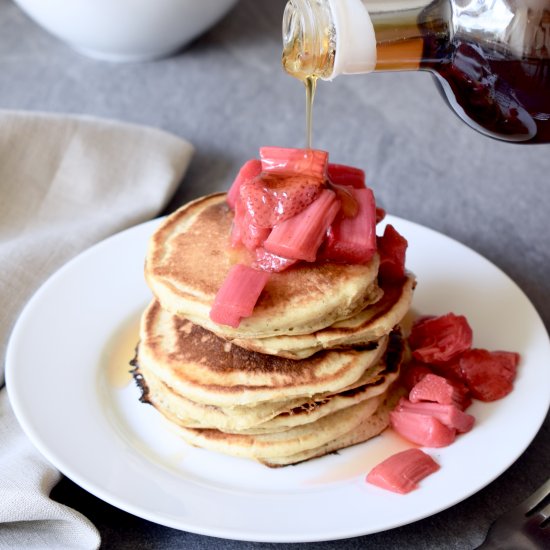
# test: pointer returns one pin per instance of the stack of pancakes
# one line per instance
(308, 373)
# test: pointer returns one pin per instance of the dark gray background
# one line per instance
(227, 94)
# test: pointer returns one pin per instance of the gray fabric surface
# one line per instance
(227, 94)
(66, 183)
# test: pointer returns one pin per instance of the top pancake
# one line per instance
(190, 255)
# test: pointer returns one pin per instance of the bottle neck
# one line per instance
(398, 31)
(325, 38)
(308, 39)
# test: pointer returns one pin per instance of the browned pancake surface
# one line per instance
(190, 255)
(199, 356)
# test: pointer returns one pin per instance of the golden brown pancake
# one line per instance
(199, 365)
(369, 427)
(265, 417)
(190, 254)
(311, 371)
(370, 324)
(346, 427)
(311, 423)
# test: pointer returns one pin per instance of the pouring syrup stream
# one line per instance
(310, 83)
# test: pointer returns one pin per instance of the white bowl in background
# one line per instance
(126, 30)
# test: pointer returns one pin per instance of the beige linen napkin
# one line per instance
(65, 183)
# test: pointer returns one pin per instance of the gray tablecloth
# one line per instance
(227, 94)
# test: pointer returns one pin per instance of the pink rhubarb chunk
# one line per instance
(238, 295)
(287, 161)
(353, 240)
(489, 374)
(402, 471)
(245, 231)
(412, 373)
(249, 170)
(271, 262)
(392, 248)
(253, 236)
(450, 415)
(422, 429)
(438, 340)
(299, 237)
(341, 174)
(380, 214)
(433, 387)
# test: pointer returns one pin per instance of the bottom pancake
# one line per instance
(333, 422)
(369, 428)
(344, 428)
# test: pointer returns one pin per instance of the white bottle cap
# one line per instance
(355, 40)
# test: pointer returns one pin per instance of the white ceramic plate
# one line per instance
(70, 389)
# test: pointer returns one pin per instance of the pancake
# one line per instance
(267, 417)
(307, 426)
(346, 427)
(206, 369)
(311, 371)
(189, 256)
(368, 325)
(370, 427)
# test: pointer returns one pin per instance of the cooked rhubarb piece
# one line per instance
(245, 231)
(509, 360)
(226, 315)
(353, 240)
(437, 340)
(238, 295)
(340, 174)
(341, 178)
(402, 471)
(286, 161)
(348, 204)
(271, 262)
(436, 388)
(236, 233)
(489, 374)
(249, 170)
(239, 223)
(462, 397)
(450, 370)
(392, 248)
(299, 237)
(422, 429)
(452, 373)
(253, 236)
(450, 414)
(270, 200)
(412, 373)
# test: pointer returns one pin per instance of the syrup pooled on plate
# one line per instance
(120, 351)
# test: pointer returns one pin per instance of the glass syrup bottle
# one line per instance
(491, 58)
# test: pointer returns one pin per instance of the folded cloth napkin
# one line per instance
(66, 182)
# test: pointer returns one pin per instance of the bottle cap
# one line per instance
(355, 39)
